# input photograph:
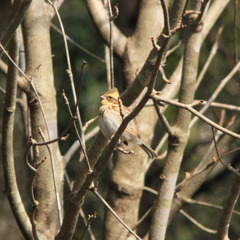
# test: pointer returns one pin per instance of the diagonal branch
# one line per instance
(218, 90)
(227, 166)
(195, 112)
(198, 224)
(94, 190)
(77, 45)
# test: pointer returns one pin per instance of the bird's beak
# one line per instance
(102, 97)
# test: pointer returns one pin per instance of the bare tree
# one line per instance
(144, 195)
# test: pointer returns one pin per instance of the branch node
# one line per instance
(162, 176)
(40, 162)
(116, 13)
(64, 138)
(197, 103)
(163, 75)
(155, 45)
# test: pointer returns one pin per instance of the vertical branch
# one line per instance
(53, 4)
(48, 132)
(107, 64)
(12, 190)
(15, 22)
(210, 57)
(43, 114)
(111, 18)
(235, 35)
(225, 219)
(180, 129)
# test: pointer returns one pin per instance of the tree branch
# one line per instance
(12, 190)
(227, 212)
(180, 128)
(101, 20)
(188, 189)
(198, 224)
(94, 190)
(196, 113)
(16, 20)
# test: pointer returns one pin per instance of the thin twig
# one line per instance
(205, 204)
(210, 57)
(195, 172)
(167, 29)
(144, 216)
(162, 142)
(213, 104)
(163, 120)
(77, 45)
(69, 70)
(174, 48)
(151, 190)
(235, 36)
(94, 190)
(88, 227)
(199, 225)
(86, 125)
(75, 146)
(228, 166)
(35, 203)
(163, 75)
(54, 176)
(192, 174)
(198, 114)
(80, 88)
(111, 18)
(217, 91)
(77, 132)
(160, 157)
(90, 219)
(222, 105)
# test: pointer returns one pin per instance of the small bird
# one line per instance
(111, 115)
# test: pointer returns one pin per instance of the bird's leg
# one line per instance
(122, 150)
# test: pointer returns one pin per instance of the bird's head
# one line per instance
(111, 97)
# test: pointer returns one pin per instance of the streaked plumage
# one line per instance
(110, 118)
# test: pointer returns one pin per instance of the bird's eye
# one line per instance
(110, 98)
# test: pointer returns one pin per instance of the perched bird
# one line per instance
(111, 115)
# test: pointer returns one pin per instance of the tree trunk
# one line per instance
(39, 67)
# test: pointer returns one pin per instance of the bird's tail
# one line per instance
(148, 150)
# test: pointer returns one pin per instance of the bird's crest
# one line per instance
(113, 93)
